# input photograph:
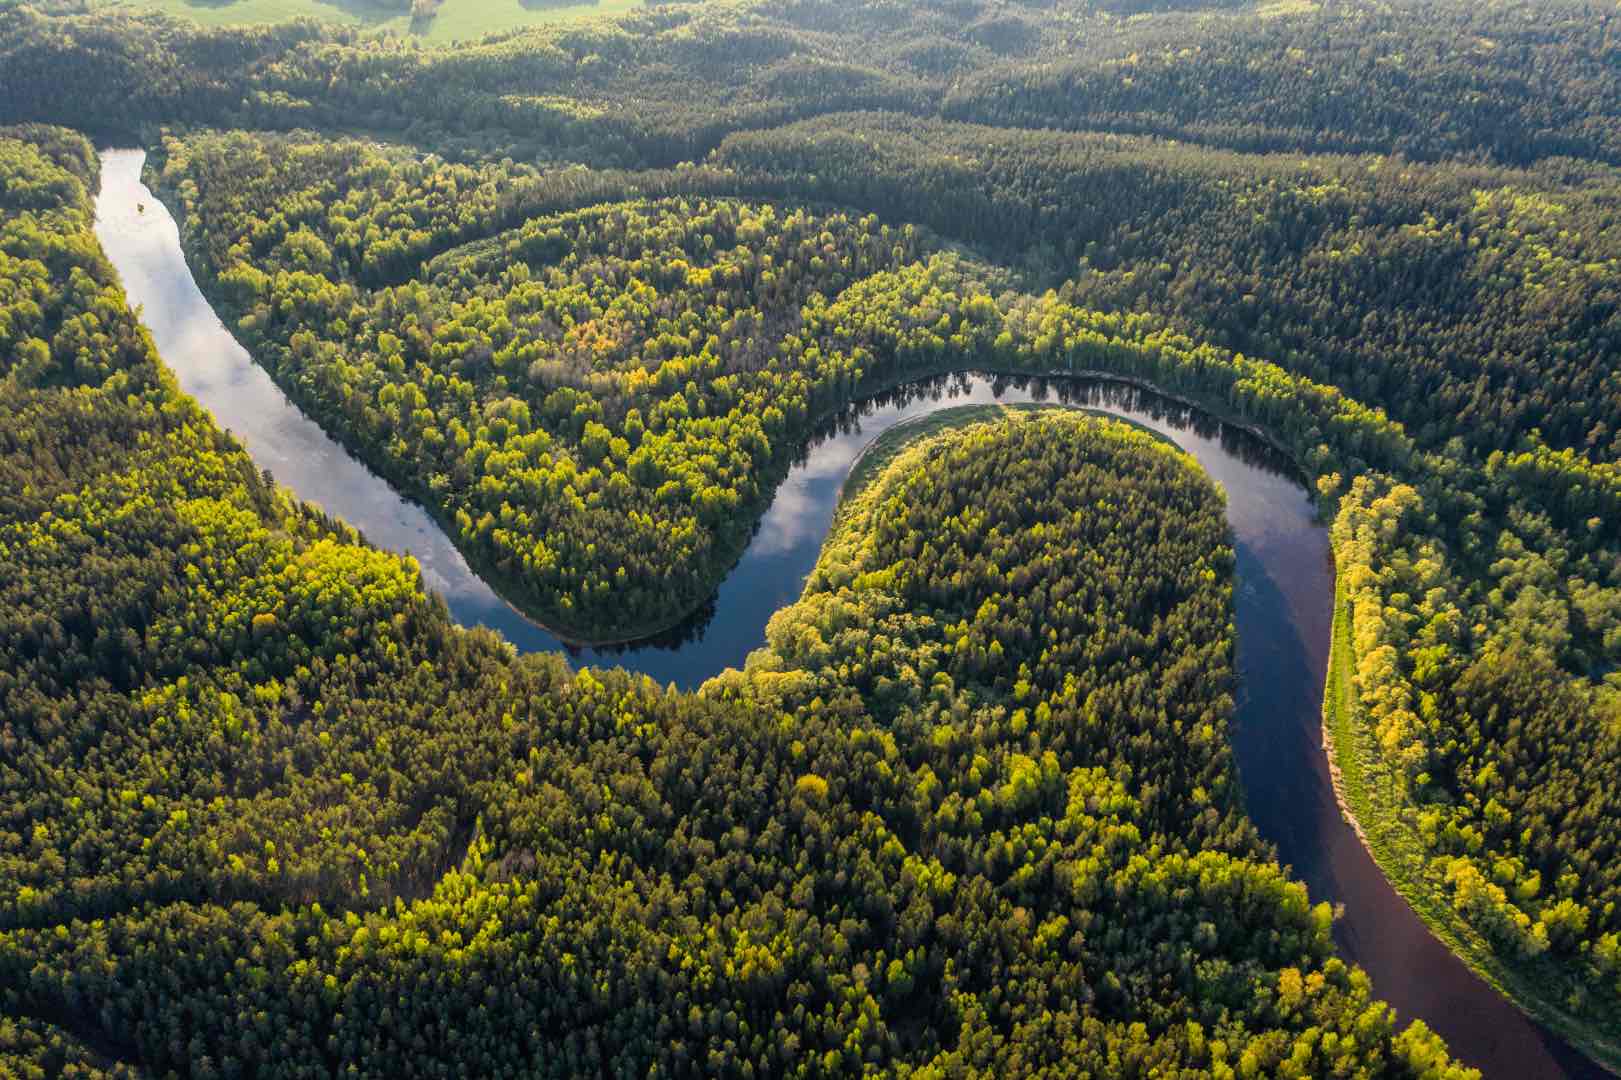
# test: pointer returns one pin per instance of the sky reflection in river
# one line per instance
(1282, 600)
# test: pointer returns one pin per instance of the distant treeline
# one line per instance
(1513, 83)
(584, 290)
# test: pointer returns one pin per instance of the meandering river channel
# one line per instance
(1283, 599)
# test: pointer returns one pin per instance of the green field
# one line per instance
(456, 20)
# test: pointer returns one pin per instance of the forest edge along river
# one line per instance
(1283, 600)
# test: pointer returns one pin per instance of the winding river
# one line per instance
(1283, 599)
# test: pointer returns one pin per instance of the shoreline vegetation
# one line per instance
(325, 826)
(1378, 822)
(884, 461)
(1142, 360)
(606, 277)
(882, 451)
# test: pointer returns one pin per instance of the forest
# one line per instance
(1516, 82)
(585, 291)
(268, 811)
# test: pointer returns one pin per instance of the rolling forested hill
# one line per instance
(274, 814)
(585, 291)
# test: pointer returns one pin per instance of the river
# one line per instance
(1283, 600)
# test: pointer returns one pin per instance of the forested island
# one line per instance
(586, 292)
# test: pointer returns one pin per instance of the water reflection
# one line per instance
(689, 631)
(1283, 594)
(788, 538)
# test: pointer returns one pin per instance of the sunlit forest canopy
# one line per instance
(586, 291)
(279, 812)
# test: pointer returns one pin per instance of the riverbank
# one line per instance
(886, 447)
(1284, 614)
(1369, 800)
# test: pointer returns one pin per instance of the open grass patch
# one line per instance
(454, 20)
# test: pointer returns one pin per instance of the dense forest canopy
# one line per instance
(1514, 82)
(1470, 301)
(267, 811)
(584, 291)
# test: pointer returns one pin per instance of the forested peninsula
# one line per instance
(585, 292)
(365, 836)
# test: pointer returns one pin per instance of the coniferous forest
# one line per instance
(587, 292)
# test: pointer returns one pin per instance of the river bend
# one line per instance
(1283, 598)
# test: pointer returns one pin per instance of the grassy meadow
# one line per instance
(456, 20)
